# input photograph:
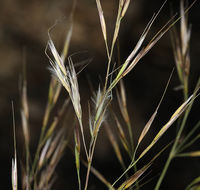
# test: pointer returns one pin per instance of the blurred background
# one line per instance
(23, 36)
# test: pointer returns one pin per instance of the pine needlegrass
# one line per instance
(54, 140)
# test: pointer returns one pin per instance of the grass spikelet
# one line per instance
(135, 56)
(101, 103)
(180, 44)
(102, 20)
(68, 78)
(25, 123)
(173, 118)
(128, 183)
(149, 123)
(125, 7)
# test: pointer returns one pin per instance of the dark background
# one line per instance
(23, 28)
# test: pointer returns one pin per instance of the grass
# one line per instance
(53, 140)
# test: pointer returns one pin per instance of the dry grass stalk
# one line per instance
(14, 161)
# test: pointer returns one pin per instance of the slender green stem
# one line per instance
(164, 170)
(173, 150)
(182, 145)
(115, 35)
(90, 161)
